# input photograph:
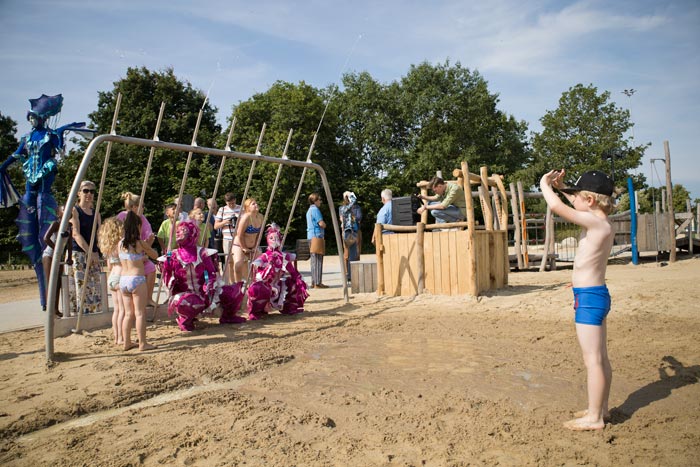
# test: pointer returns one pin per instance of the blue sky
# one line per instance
(529, 52)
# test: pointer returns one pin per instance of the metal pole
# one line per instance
(301, 183)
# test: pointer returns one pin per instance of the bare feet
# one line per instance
(147, 347)
(583, 413)
(581, 424)
(130, 346)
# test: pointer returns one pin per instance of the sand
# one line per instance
(427, 380)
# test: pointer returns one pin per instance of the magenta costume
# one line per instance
(278, 285)
(189, 273)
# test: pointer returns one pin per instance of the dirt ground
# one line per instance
(435, 381)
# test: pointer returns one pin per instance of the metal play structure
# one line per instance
(190, 149)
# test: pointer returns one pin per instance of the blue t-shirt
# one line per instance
(384, 216)
(313, 217)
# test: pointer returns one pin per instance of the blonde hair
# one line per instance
(605, 203)
(110, 233)
(247, 203)
(196, 214)
(130, 199)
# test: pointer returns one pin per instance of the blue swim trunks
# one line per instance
(592, 304)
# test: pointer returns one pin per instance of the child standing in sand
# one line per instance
(591, 198)
(132, 253)
(111, 232)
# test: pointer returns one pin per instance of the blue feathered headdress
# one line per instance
(45, 106)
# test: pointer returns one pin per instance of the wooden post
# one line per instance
(690, 226)
(424, 216)
(486, 201)
(669, 200)
(496, 209)
(378, 242)
(420, 258)
(545, 252)
(468, 197)
(516, 225)
(504, 202)
(552, 241)
(523, 223)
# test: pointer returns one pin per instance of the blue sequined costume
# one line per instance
(37, 153)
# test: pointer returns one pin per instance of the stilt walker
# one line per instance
(37, 153)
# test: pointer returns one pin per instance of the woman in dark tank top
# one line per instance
(86, 276)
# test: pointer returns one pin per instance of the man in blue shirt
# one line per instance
(384, 214)
(315, 232)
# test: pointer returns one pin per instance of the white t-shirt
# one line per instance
(226, 212)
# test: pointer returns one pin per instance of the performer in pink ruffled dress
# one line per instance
(190, 274)
(278, 285)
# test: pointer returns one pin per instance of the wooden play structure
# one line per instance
(448, 259)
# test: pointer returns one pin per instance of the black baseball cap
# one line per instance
(594, 181)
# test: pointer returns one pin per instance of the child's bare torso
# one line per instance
(591, 259)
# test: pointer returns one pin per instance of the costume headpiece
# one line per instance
(45, 106)
(274, 237)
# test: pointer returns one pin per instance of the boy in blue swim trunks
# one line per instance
(591, 198)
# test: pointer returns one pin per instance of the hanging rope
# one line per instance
(96, 214)
(313, 141)
(245, 194)
(150, 159)
(258, 238)
(221, 171)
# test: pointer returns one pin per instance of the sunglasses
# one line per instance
(86, 191)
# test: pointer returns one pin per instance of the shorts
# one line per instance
(592, 304)
(129, 284)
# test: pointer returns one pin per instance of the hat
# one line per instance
(45, 106)
(594, 181)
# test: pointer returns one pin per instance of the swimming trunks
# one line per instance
(251, 229)
(129, 284)
(592, 304)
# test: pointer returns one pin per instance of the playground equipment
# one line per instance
(442, 258)
(156, 143)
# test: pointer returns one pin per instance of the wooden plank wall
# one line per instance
(646, 232)
(447, 256)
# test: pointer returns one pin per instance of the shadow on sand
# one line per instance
(672, 375)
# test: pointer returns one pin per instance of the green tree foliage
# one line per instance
(286, 106)
(8, 229)
(142, 93)
(582, 134)
(649, 197)
(432, 119)
(450, 117)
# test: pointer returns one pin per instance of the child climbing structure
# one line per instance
(448, 259)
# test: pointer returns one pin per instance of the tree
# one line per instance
(451, 117)
(582, 134)
(283, 107)
(8, 229)
(647, 198)
(142, 93)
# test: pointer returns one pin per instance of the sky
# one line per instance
(529, 52)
